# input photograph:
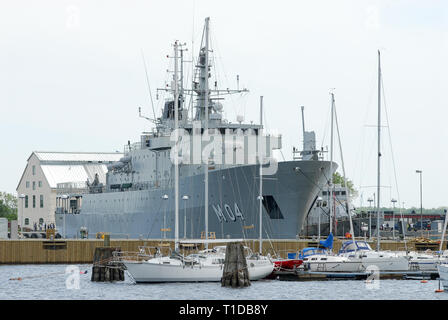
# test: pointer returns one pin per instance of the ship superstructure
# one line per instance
(138, 197)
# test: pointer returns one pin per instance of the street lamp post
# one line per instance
(364, 228)
(64, 197)
(377, 224)
(319, 204)
(185, 198)
(421, 206)
(370, 217)
(402, 222)
(164, 197)
(22, 197)
(393, 218)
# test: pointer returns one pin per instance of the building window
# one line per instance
(27, 184)
(40, 184)
(26, 201)
(41, 221)
(41, 201)
(34, 170)
(34, 201)
(27, 221)
(34, 185)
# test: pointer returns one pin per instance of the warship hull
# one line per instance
(233, 209)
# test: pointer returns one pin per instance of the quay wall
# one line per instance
(66, 251)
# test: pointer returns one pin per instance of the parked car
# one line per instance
(426, 225)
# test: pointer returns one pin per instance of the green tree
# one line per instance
(338, 179)
(8, 206)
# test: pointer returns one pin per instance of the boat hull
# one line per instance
(443, 275)
(288, 264)
(233, 206)
(386, 264)
(424, 266)
(342, 266)
(151, 272)
(143, 272)
(360, 265)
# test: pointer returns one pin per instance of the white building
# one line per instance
(48, 174)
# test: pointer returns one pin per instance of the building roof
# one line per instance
(78, 156)
(73, 173)
(65, 167)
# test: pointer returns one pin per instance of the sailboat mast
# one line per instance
(379, 154)
(331, 165)
(303, 127)
(347, 191)
(260, 196)
(176, 164)
(182, 75)
(443, 233)
(206, 93)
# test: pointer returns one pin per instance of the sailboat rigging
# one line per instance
(207, 265)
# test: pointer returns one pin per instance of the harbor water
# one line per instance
(72, 282)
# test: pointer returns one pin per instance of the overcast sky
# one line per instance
(72, 78)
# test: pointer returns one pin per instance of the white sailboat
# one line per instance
(417, 261)
(317, 259)
(321, 259)
(206, 265)
(361, 252)
(423, 261)
(383, 260)
(358, 255)
(427, 261)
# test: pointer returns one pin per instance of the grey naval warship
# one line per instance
(137, 198)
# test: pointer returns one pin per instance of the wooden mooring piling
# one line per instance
(235, 273)
(105, 269)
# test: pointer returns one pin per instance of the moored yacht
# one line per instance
(383, 260)
(204, 266)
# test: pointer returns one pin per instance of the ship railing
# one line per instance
(73, 185)
(62, 210)
(133, 146)
(130, 256)
(95, 189)
(147, 185)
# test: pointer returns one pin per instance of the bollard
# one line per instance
(107, 240)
